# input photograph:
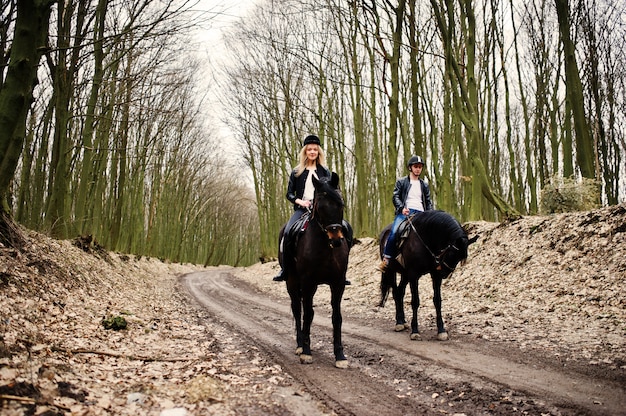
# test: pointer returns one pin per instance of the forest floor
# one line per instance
(546, 291)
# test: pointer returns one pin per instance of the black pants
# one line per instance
(288, 235)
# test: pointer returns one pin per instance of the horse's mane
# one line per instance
(330, 191)
(437, 222)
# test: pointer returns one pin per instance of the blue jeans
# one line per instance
(390, 246)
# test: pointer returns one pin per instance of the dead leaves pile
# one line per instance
(552, 284)
(56, 357)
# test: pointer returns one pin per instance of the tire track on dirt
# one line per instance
(269, 326)
(390, 374)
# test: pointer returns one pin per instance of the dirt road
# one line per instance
(391, 375)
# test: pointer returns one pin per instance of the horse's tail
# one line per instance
(387, 283)
(387, 279)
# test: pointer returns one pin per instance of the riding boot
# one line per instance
(282, 275)
(384, 264)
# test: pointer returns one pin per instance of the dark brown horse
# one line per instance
(435, 243)
(321, 257)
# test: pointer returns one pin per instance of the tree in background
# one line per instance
(585, 154)
(118, 144)
(485, 91)
(16, 95)
(490, 93)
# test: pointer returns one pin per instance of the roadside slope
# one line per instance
(553, 286)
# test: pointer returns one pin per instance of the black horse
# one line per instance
(435, 243)
(321, 257)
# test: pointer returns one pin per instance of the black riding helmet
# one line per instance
(414, 160)
(311, 139)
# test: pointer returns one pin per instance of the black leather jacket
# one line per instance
(401, 192)
(295, 189)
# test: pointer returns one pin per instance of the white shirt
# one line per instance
(414, 198)
(309, 189)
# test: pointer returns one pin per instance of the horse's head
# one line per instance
(454, 253)
(328, 208)
(443, 238)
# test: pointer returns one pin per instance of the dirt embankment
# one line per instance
(547, 288)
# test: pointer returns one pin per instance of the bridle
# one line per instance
(438, 258)
(333, 231)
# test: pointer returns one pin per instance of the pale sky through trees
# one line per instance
(224, 13)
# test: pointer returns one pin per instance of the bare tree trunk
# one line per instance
(24, 197)
(64, 73)
(585, 153)
(465, 100)
(117, 197)
(87, 178)
(417, 139)
(600, 79)
(31, 32)
(395, 132)
(350, 39)
(392, 59)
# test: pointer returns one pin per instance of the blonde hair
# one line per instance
(321, 159)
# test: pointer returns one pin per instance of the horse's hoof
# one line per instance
(306, 359)
(442, 336)
(341, 363)
(415, 336)
(299, 351)
(400, 327)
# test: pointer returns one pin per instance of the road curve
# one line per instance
(389, 374)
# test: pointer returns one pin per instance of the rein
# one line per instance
(329, 229)
(437, 257)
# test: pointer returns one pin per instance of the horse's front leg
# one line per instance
(442, 334)
(296, 311)
(415, 304)
(335, 300)
(307, 320)
(398, 297)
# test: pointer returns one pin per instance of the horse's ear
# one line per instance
(334, 180)
(316, 182)
(472, 240)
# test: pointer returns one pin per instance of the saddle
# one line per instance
(298, 227)
(401, 235)
(403, 231)
(292, 235)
